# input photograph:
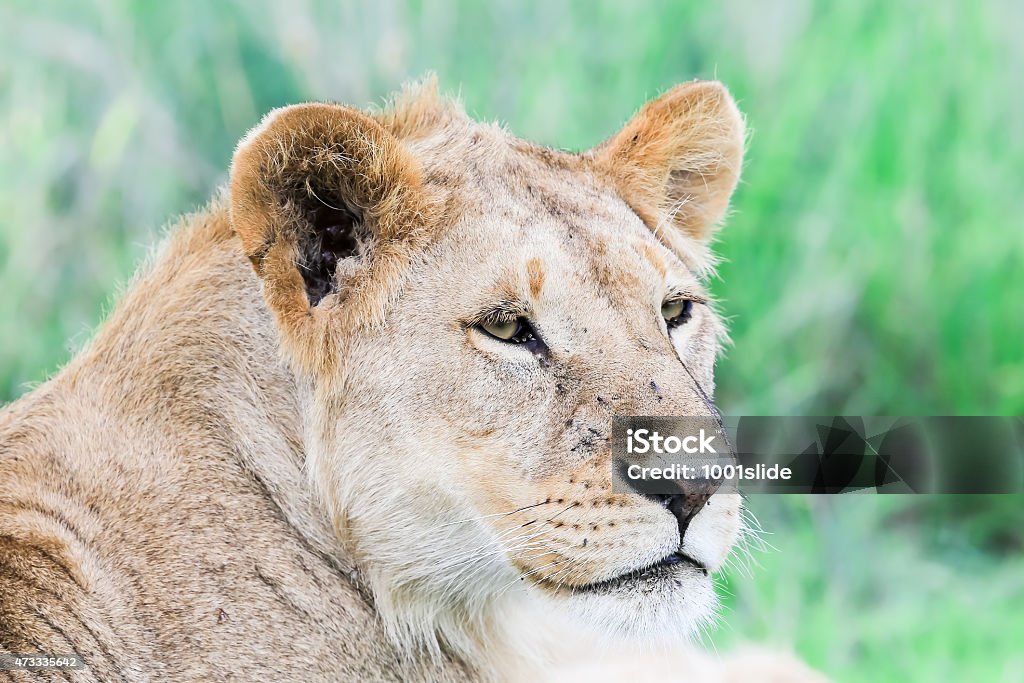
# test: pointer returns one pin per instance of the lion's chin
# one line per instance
(666, 603)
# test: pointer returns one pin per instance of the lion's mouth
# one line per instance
(668, 566)
(678, 558)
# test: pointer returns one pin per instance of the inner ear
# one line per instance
(335, 233)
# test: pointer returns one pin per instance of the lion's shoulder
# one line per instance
(48, 601)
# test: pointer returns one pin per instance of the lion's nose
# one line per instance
(694, 494)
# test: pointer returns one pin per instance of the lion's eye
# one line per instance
(515, 331)
(676, 312)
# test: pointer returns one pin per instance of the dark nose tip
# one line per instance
(692, 497)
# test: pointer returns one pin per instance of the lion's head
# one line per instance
(466, 311)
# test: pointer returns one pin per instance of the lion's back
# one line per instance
(155, 518)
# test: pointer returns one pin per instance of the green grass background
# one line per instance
(873, 264)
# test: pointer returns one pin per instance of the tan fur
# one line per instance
(237, 481)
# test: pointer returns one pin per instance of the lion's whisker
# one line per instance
(489, 516)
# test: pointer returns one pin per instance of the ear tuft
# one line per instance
(678, 160)
(419, 110)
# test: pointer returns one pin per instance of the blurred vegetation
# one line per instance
(873, 264)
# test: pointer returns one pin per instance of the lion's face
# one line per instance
(462, 380)
(519, 428)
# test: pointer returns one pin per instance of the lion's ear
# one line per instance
(318, 193)
(678, 160)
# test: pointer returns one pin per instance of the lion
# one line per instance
(351, 421)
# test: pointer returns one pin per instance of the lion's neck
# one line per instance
(203, 345)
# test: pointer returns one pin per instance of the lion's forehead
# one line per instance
(541, 221)
(481, 168)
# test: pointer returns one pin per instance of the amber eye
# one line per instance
(676, 312)
(515, 331)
